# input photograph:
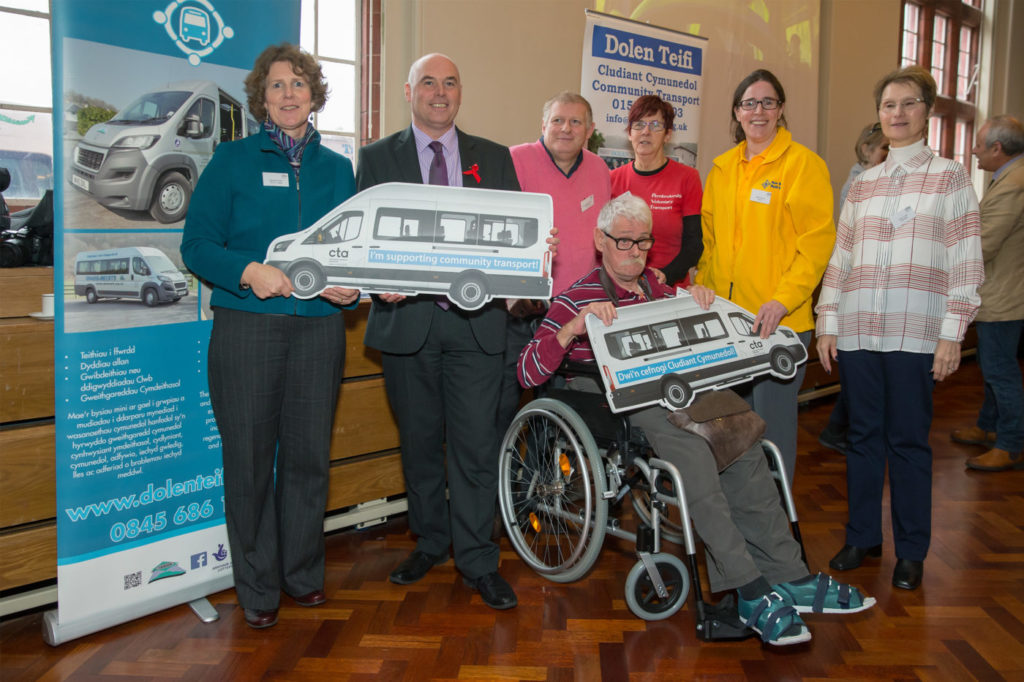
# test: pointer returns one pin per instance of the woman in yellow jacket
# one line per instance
(768, 235)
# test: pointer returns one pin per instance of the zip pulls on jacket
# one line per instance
(298, 194)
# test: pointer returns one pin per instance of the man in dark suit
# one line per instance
(443, 365)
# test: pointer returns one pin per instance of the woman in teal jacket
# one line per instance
(275, 362)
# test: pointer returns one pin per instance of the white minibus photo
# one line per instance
(667, 351)
(143, 273)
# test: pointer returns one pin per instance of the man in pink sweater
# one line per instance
(558, 164)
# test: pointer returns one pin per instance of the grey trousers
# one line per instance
(775, 401)
(737, 513)
(273, 387)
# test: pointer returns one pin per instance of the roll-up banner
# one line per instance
(144, 92)
(623, 60)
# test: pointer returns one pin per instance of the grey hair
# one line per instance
(567, 97)
(627, 206)
(1008, 132)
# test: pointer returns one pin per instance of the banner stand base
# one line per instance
(56, 632)
(204, 610)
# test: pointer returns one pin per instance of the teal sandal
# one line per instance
(778, 623)
(823, 595)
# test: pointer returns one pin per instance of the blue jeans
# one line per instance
(1002, 411)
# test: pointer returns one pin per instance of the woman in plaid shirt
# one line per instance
(900, 289)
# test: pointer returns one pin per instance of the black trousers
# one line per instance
(273, 386)
(447, 392)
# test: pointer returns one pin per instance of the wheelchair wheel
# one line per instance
(551, 490)
(641, 595)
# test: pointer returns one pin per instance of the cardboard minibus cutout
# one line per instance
(467, 243)
(669, 350)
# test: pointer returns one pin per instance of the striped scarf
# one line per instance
(292, 148)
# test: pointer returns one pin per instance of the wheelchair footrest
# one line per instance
(722, 622)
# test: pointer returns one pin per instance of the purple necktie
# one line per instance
(438, 168)
(438, 176)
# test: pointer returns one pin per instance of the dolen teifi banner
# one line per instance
(144, 91)
(625, 59)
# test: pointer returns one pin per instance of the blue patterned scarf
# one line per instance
(292, 148)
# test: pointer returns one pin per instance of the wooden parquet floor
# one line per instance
(966, 622)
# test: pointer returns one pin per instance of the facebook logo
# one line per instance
(198, 560)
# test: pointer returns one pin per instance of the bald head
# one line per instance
(434, 93)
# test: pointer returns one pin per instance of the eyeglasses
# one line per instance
(653, 126)
(909, 103)
(767, 103)
(625, 243)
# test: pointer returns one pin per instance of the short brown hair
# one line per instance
(649, 105)
(755, 76)
(914, 75)
(302, 63)
(871, 136)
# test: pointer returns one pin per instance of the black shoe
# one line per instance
(907, 574)
(495, 590)
(415, 567)
(834, 439)
(850, 557)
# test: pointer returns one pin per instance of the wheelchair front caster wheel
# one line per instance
(642, 596)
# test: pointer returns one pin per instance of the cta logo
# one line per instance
(195, 26)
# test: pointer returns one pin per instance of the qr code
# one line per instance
(132, 580)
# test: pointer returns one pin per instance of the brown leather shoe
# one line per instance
(314, 598)
(996, 460)
(973, 436)
(258, 620)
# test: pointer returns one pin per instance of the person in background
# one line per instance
(558, 164)
(670, 188)
(275, 362)
(871, 149)
(737, 511)
(900, 290)
(443, 365)
(999, 149)
(768, 233)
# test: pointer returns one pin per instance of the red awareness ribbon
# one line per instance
(474, 171)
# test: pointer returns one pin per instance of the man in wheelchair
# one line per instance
(736, 512)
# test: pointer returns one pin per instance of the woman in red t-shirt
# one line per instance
(671, 189)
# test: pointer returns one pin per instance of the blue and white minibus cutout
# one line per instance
(667, 351)
(469, 244)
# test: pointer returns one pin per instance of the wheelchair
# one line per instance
(568, 465)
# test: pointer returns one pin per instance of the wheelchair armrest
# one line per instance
(577, 368)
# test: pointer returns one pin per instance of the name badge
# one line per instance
(275, 179)
(586, 203)
(902, 217)
(761, 196)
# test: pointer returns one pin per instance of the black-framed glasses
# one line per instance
(653, 126)
(625, 243)
(767, 103)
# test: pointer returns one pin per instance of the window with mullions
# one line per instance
(943, 37)
(330, 31)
